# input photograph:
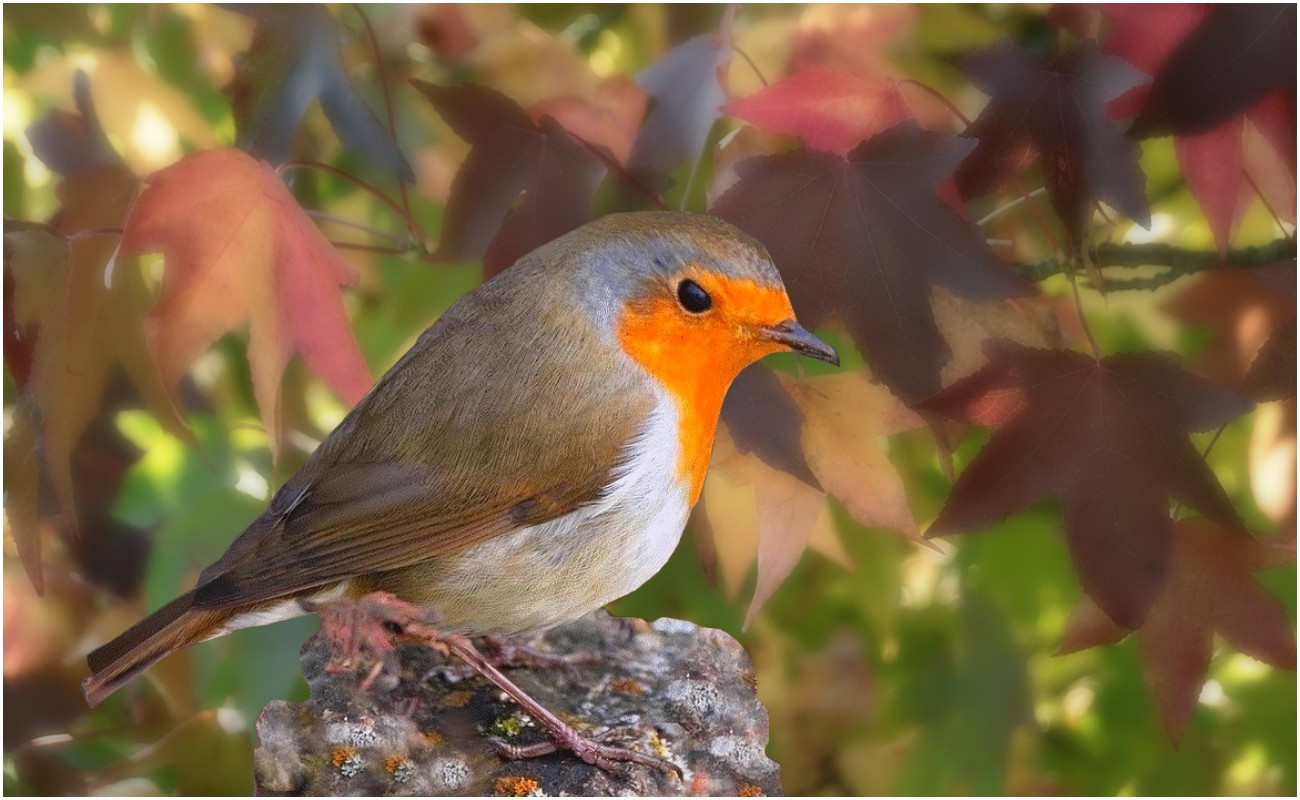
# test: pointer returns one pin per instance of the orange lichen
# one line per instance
(515, 786)
(433, 738)
(394, 762)
(750, 790)
(341, 755)
(456, 699)
(627, 685)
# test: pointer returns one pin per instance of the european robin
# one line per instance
(533, 457)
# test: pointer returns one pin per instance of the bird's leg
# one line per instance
(564, 735)
(503, 652)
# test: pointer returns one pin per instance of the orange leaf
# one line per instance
(238, 247)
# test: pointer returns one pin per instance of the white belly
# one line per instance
(555, 572)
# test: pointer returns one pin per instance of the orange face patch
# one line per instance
(696, 356)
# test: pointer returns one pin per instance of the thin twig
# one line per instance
(412, 225)
(86, 233)
(374, 248)
(361, 226)
(943, 98)
(751, 64)
(1083, 319)
(388, 107)
(613, 166)
(1176, 261)
(1002, 209)
(1178, 506)
(1276, 219)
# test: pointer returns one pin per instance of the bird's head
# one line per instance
(691, 297)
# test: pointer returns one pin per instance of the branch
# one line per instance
(1176, 261)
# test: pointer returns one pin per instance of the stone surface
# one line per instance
(422, 727)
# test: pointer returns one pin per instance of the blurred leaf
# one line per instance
(293, 61)
(223, 222)
(1109, 438)
(1210, 590)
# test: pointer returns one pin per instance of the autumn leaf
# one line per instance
(829, 110)
(610, 119)
(1272, 375)
(1053, 113)
(1109, 438)
(686, 91)
(764, 420)
(237, 247)
(1210, 591)
(294, 60)
(1238, 54)
(864, 237)
(757, 509)
(86, 321)
(1213, 160)
(510, 154)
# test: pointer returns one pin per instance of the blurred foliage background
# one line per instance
(908, 671)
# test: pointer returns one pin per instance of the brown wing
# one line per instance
(504, 415)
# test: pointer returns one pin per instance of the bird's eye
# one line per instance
(693, 297)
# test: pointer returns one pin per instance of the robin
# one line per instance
(533, 457)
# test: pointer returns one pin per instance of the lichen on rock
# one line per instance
(424, 727)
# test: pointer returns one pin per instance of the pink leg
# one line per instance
(504, 652)
(565, 736)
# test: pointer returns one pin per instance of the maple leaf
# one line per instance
(610, 119)
(765, 420)
(509, 154)
(829, 110)
(864, 237)
(86, 322)
(236, 247)
(755, 507)
(1210, 590)
(1272, 375)
(1213, 161)
(1054, 111)
(1236, 56)
(1110, 439)
(686, 87)
(294, 59)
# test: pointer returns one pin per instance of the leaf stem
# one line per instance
(392, 118)
(613, 166)
(411, 224)
(361, 226)
(942, 98)
(1002, 209)
(751, 64)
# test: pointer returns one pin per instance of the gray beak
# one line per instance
(793, 336)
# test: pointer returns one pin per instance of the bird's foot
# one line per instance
(364, 629)
(594, 751)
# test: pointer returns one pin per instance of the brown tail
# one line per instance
(174, 626)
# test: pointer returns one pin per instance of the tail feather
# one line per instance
(172, 627)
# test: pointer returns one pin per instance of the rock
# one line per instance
(422, 727)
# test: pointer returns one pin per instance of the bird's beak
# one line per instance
(795, 337)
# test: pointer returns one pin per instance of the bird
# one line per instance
(533, 457)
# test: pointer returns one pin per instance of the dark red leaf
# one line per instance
(864, 236)
(1109, 438)
(765, 420)
(510, 154)
(1054, 111)
(1210, 590)
(1239, 54)
(1144, 34)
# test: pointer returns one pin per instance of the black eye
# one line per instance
(693, 297)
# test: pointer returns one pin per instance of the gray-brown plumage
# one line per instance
(514, 469)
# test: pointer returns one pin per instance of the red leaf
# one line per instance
(237, 248)
(1144, 34)
(1054, 111)
(510, 154)
(1239, 54)
(1214, 169)
(1210, 590)
(863, 237)
(1109, 438)
(829, 110)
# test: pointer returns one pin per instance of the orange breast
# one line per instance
(696, 357)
